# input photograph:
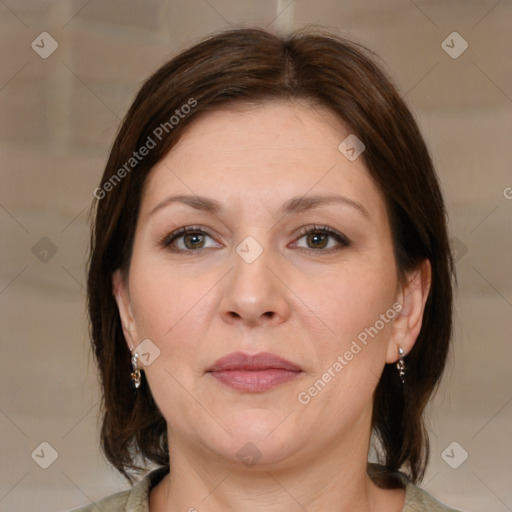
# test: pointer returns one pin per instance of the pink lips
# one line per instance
(255, 373)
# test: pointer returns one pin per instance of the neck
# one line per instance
(335, 479)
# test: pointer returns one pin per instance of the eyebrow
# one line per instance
(293, 205)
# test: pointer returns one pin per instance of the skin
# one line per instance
(304, 298)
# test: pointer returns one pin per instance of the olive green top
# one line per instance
(136, 499)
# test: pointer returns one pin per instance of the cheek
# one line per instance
(170, 311)
(348, 362)
(349, 336)
(174, 311)
(351, 299)
(163, 299)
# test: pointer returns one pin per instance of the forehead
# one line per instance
(262, 153)
(267, 128)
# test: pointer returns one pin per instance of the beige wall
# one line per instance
(58, 119)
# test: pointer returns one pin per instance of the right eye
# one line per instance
(187, 239)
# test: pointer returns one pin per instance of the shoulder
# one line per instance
(132, 500)
(114, 503)
(418, 500)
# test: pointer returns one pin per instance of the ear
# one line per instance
(122, 296)
(407, 324)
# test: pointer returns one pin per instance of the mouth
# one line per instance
(253, 373)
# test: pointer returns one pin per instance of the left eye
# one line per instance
(322, 238)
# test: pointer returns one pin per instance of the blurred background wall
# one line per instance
(69, 70)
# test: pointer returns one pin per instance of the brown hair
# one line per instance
(255, 65)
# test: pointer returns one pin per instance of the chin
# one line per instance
(258, 437)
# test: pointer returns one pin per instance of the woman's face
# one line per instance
(289, 253)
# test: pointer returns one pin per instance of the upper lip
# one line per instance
(261, 361)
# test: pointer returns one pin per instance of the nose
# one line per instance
(254, 295)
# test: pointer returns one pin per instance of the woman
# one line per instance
(270, 267)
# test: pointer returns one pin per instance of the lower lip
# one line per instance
(254, 381)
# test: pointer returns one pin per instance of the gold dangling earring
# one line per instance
(135, 375)
(400, 364)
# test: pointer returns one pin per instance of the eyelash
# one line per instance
(322, 230)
